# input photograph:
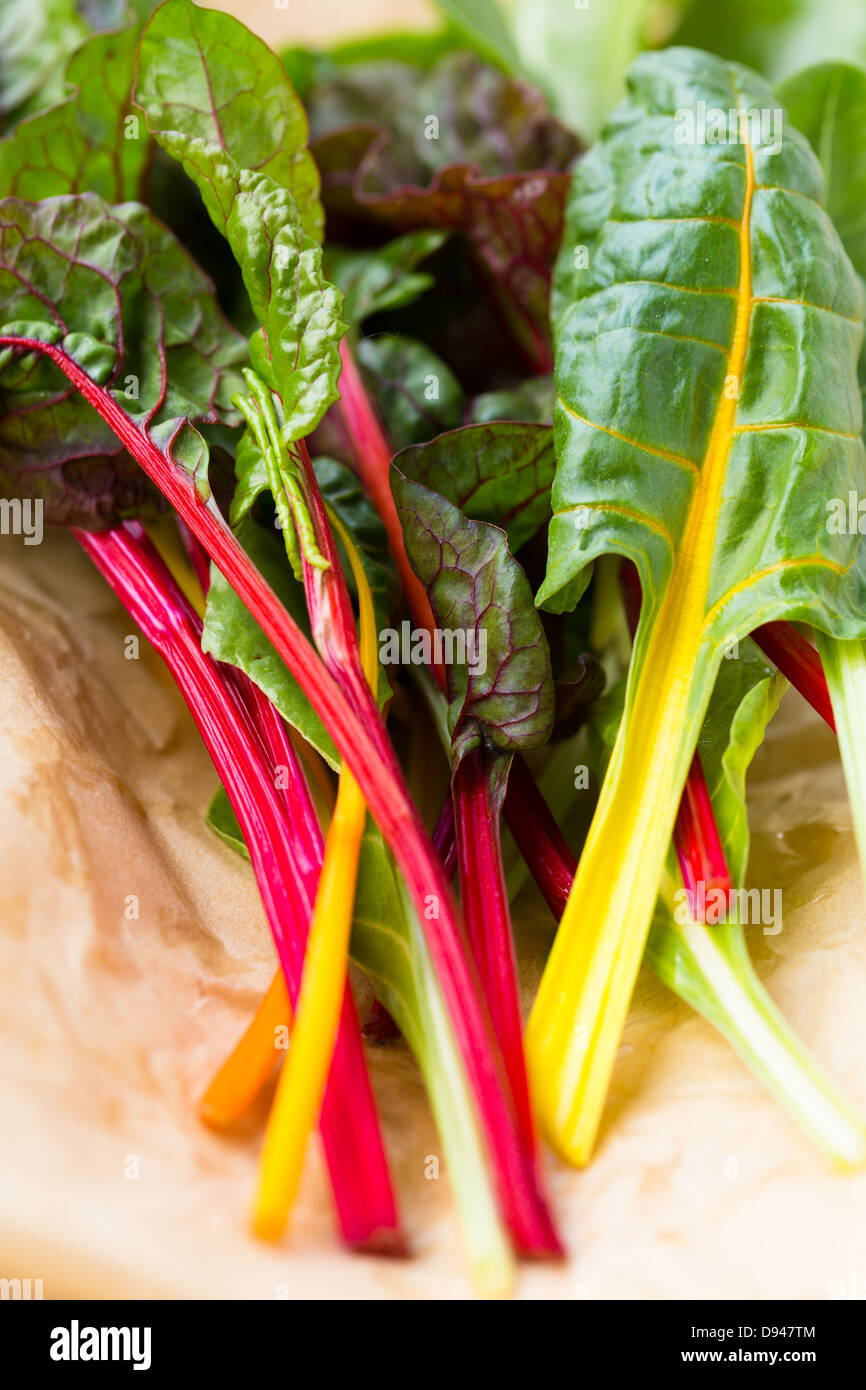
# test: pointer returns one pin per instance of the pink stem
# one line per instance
(477, 808)
(287, 882)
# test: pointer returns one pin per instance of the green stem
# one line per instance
(845, 669)
(710, 968)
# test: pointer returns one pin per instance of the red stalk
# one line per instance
(279, 851)
(382, 787)
(798, 660)
(696, 836)
(478, 795)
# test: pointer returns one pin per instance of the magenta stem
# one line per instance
(350, 1129)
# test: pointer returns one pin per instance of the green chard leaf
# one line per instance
(777, 37)
(212, 132)
(500, 688)
(91, 141)
(483, 25)
(204, 77)
(531, 402)
(123, 298)
(706, 341)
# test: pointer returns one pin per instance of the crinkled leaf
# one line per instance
(126, 301)
(83, 144)
(417, 395)
(203, 76)
(531, 402)
(499, 473)
(493, 167)
(477, 588)
(387, 277)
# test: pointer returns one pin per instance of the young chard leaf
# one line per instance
(82, 144)
(708, 407)
(385, 278)
(499, 473)
(202, 76)
(115, 290)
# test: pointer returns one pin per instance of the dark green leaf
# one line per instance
(531, 402)
(500, 689)
(499, 473)
(384, 278)
(134, 310)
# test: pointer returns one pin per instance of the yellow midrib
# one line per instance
(601, 936)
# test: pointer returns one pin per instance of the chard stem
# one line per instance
(361, 740)
(844, 665)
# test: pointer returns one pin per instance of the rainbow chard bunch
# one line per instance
(360, 442)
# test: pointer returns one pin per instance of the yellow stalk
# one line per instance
(575, 1025)
(305, 1071)
(244, 1073)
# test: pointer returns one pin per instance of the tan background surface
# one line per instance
(109, 1027)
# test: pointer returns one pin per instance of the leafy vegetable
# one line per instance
(505, 194)
(417, 395)
(251, 113)
(90, 142)
(117, 293)
(753, 414)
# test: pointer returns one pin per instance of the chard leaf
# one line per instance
(372, 282)
(204, 77)
(495, 169)
(115, 289)
(417, 395)
(828, 104)
(777, 37)
(483, 24)
(498, 473)
(476, 588)
(83, 144)
(708, 409)
(213, 130)
(579, 53)
(36, 38)
(531, 402)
